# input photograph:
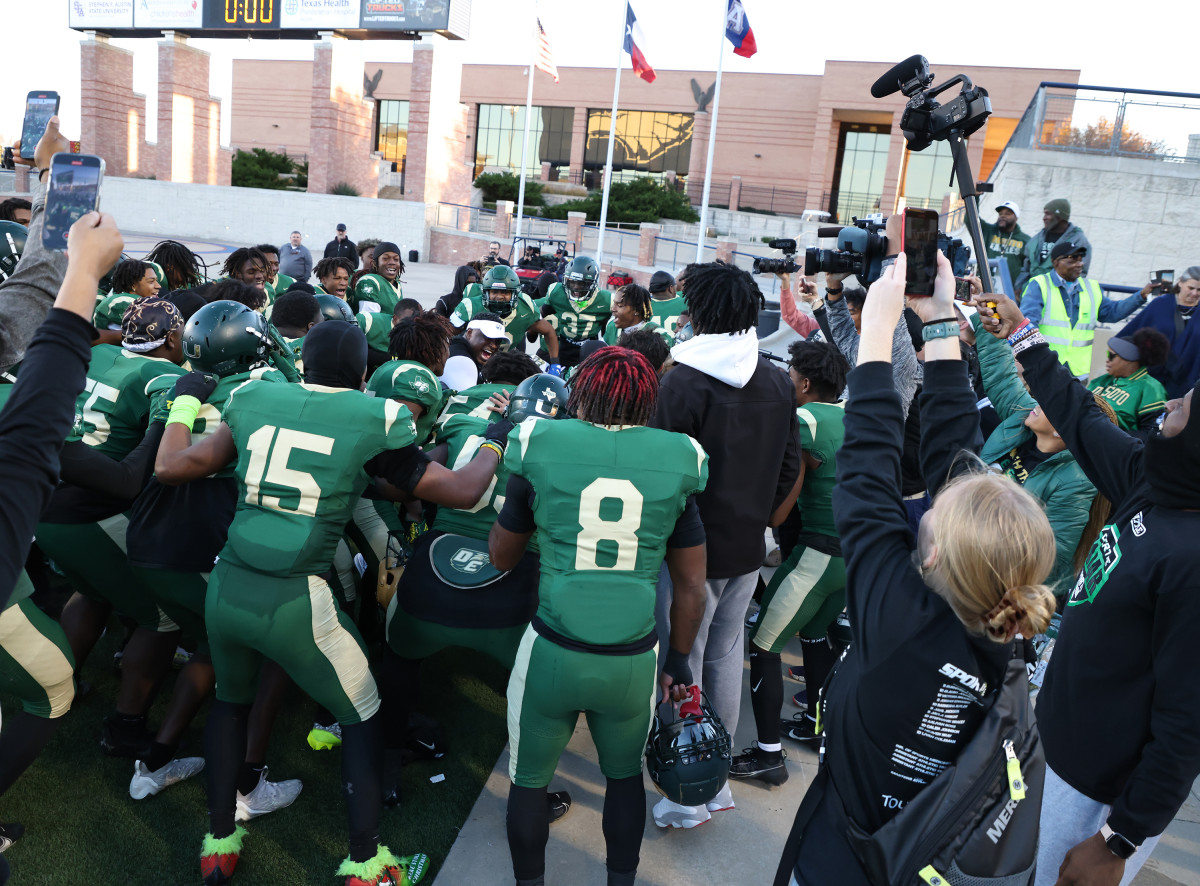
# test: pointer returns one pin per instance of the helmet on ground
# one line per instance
(12, 244)
(226, 337)
(688, 755)
(500, 279)
(580, 278)
(334, 308)
(539, 396)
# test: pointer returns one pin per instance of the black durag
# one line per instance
(335, 355)
(1172, 464)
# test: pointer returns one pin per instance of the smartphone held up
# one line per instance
(919, 241)
(74, 191)
(40, 106)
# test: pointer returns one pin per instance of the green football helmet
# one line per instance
(539, 396)
(225, 338)
(500, 279)
(12, 244)
(334, 308)
(580, 278)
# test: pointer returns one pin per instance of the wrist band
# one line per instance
(183, 411)
(939, 329)
(1022, 332)
(495, 447)
(837, 291)
(1036, 338)
(953, 320)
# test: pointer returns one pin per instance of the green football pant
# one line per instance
(551, 686)
(92, 557)
(296, 623)
(415, 638)
(805, 595)
(181, 596)
(36, 664)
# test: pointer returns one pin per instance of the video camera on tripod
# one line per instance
(785, 265)
(861, 248)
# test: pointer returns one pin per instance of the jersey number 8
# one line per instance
(594, 528)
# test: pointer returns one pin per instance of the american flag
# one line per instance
(545, 59)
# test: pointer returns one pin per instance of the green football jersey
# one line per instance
(612, 334)
(473, 401)
(376, 289)
(576, 324)
(376, 327)
(516, 324)
(296, 346)
(821, 434)
(111, 310)
(667, 312)
(414, 382)
(301, 450)
(208, 419)
(606, 501)
(463, 434)
(281, 285)
(112, 411)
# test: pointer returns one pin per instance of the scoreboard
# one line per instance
(274, 19)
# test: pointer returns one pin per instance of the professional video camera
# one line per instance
(862, 246)
(785, 265)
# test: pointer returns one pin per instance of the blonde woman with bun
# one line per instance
(933, 618)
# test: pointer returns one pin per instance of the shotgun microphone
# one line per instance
(914, 68)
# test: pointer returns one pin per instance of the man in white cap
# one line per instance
(1005, 238)
(483, 337)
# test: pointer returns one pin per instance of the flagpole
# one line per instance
(712, 139)
(612, 139)
(525, 142)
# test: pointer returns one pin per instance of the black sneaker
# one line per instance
(800, 729)
(765, 766)
(120, 738)
(11, 833)
(559, 803)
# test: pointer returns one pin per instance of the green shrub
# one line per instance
(260, 168)
(506, 186)
(642, 200)
(344, 189)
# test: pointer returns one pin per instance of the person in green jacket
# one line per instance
(632, 310)
(1028, 449)
(1136, 397)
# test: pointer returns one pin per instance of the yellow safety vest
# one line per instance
(1073, 344)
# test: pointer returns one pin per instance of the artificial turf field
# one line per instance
(82, 826)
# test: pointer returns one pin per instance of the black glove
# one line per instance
(676, 667)
(196, 384)
(498, 431)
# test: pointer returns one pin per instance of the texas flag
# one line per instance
(737, 29)
(634, 40)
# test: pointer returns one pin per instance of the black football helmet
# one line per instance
(539, 396)
(225, 338)
(498, 280)
(334, 308)
(12, 245)
(688, 754)
(581, 277)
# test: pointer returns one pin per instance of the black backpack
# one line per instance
(976, 823)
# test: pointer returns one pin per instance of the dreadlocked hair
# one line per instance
(822, 364)
(127, 274)
(614, 386)
(508, 367)
(182, 267)
(722, 299)
(423, 338)
(239, 257)
(327, 266)
(638, 298)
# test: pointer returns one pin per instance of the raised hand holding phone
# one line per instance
(74, 191)
(40, 107)
(919, 242)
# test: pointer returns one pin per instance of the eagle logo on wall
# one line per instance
(702, 96)
(370, 84)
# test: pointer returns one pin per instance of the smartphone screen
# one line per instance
(74, 191)
(920, 240)
(39, 108)
(962, 288)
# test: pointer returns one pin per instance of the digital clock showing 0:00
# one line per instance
(241, 14)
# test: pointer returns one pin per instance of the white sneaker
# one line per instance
(669, 814)
(268, 796)
(722, 802)
(146, 783)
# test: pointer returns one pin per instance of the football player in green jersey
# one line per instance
(276, 283)
(500, 293)
(293, 314)
(378, 329)
(303, 453)
(380, 290)
(334, 275)
(631, 311)
(604, 527)
(666, 304)
(248, 265)
(500, 374)
(577, 308)
(809, 589)
(132, 279)
(182, 268)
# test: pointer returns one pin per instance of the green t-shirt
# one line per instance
(473, 401)
(603, 522)
(1010, 245)
(111, 310)
(516, 324)
(301, 450)
(821, 434)
(612, 334)
(375, 289)
(463, 434)
(576, 324)
(667, 312)
(112, 411)
(414, 382)
(1137, 399)
(376, 327)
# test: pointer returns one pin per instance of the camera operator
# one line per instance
(493, 255)
(804, 323)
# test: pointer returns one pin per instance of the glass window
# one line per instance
(500, 132)
(391, 130)
(926, 177)
(647, 143)
(859, 170)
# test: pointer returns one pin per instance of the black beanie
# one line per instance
(335, 355)
(1172, 464)
(383, 247)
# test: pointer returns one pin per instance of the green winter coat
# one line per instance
(1058, 482)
